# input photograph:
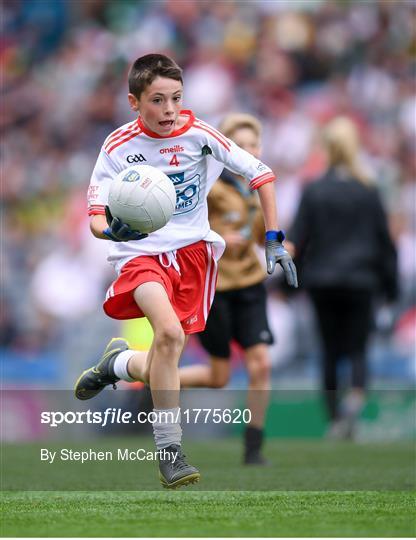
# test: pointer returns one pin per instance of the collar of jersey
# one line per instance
(184, 128)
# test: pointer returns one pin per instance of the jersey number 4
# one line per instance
(174, 160)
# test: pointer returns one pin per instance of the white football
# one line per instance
(142, 196)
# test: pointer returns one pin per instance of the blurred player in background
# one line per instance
(239, 308)
(347, 257)
(168, 276)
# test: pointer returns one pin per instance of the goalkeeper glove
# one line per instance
(276, 253)
(118, 231)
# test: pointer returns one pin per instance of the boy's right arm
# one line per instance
(97, 225)
(109, 228)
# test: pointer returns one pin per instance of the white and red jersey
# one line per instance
(193, 157)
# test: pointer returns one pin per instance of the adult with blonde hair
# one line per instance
(341, 240)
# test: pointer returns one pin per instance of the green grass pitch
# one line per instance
(312, 488)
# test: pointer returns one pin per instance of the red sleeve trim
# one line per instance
(96, 210)
(262, 179)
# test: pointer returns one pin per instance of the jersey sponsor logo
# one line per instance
(136, 158)
(172, 150)
(187, 192)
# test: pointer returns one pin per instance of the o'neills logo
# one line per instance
(177, 148)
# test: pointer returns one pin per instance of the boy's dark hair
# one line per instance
(146, 68)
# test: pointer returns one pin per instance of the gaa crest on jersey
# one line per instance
(187, 192)
(135, 158)
(131, 176)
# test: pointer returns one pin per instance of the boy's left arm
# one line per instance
(259, 177)
(275, 252)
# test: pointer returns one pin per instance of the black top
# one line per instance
(341, 237)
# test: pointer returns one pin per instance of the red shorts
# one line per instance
(190, 292)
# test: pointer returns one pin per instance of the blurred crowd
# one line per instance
(294, 65)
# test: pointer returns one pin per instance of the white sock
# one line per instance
(120, 365)
(167, 430)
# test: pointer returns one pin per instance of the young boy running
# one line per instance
(239, 308)
(168, 276)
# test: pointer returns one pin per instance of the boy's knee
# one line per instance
(170, 336)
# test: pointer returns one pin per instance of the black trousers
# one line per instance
(345, 322)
